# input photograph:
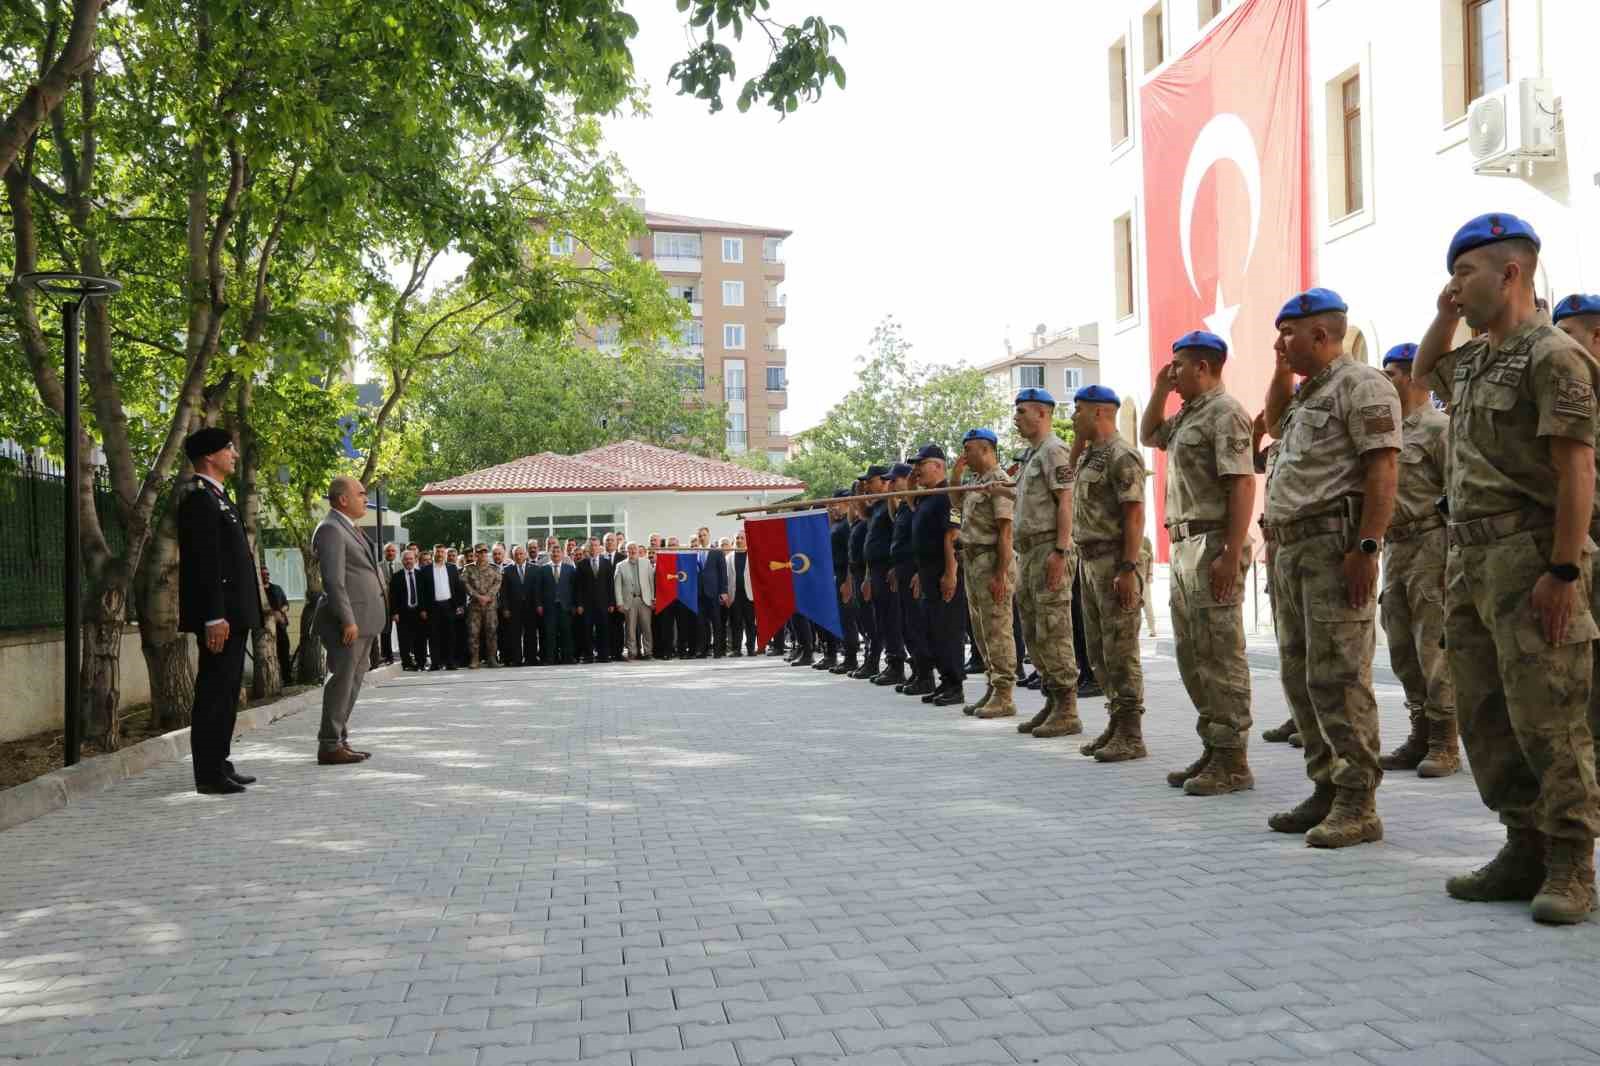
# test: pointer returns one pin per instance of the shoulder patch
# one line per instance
(1063, 475)
(1377, 418)
(1574, 398)
(1238, 445)
(955, 516)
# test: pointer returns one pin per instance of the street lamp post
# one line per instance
(79, 289)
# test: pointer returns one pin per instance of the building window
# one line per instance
(1209, 9)
(1346, 146)
(733, 337)
(1122, 240)
(1355, 344)
(677, 246)
(1350, 105)
(733, 294)
(1117, 69)
(775, 423)
(777, 456)
(1485, 44)
(772, 250)
(733, 386)
(692, 334)
(777, 378)
(561, 244)
(1030, 377)
(691, 376)
(608, 336)
(1155, 40)
(733, 249)
(1071, 381)
(489, 523)
(738, 433)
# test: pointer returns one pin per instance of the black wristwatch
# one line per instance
(1368, 546)
(1125, 567)
(1059, 551)
(1567, 572)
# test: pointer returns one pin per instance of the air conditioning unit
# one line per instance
(1513, 126)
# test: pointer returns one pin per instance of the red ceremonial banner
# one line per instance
(768, 543)
(1227, 196)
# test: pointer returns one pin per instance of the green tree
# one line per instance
(824, 472)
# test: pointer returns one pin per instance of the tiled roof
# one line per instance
(629, 466)
(662, 220)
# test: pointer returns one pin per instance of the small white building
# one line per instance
(630, 488)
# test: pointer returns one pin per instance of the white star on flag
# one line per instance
(1220, 321)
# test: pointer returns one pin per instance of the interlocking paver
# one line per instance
(724, 863)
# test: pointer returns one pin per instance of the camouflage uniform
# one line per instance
(1412, 607)
(981, 513)
(1342, 413)
(1207, 443)
(482, 579)
(1046, 615)
(1522, 702)
(1110, 473)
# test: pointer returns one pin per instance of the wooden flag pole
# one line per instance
(903, 494)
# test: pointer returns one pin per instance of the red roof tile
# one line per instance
(629, 466)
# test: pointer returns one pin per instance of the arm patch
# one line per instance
(1574, 398)
(1377, 418)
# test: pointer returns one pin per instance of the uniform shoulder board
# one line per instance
(955, 516)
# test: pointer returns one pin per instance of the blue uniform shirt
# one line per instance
(858, 547)
(880, 535)
(839, 541)
(900, 549)
(928, 527)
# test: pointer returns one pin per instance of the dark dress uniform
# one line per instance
(934, 517)
(866, 630)
(885, 605)
(913, 626)
(839, 543)
(216, 580)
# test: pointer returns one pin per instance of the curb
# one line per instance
(1266, 660)
(73, 784)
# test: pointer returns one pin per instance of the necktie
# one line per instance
(411, 588)
(638, 586)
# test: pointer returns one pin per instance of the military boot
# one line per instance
(1516, 871)
(1353, 820)
(1295, 741)
(1412, 750)
(1227, 771)
(1043, 716)
(920, 685)
(1444, 753)
(952, 696)
(1177, 778)
(893, 674)
(1281, 734)
(1128, 741)
(983, 701)
(830, 659)
(1063, 720)
(868, 669)
(805, 658)
(1103, 739)
(999, 704)
(847, 664)
(1567, 895)
(1307, 815)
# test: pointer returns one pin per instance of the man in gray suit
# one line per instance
(635, 580)
(349, 616)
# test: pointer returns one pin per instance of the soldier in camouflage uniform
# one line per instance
(1412, 604)
(1047, 561)
(482, 580)
(1329, 501)
(1108, 529)
(1578, 316)
(1517, 581)
(990, 565)
(1210, 493)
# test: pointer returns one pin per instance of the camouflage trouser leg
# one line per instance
(481, 619)
(1210, 640)
(1523, 703)
(1112, 633)
(1325, 650)
(1413, 620)
(991, 624)
(1047, 618)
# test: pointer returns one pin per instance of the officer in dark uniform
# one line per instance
(219, 602)
(903, 556)
(883, 599)
(859, 595)
(839, 545)
(934, 529)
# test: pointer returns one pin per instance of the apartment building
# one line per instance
(1063, 362)
(1359, 137)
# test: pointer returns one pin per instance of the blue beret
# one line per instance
(1311, 302)
(1033, 395)
(981, 434)
(875, 470)
(1488, 229)
(1094, 394)
(899, 470)
(1400, 353)
(930, 451)
(1576, 304)
(1201, 339)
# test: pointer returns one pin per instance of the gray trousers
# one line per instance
(638, 616)
(347, 666)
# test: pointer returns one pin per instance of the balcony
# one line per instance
(772, 267)
(738, 440)
(777, 308)
(735, 392)
(677, 264)
(696, 309)
(773, 348)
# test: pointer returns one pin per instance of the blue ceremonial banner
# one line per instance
(815, 595)
(677, 580)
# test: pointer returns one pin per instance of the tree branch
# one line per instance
(43, 96)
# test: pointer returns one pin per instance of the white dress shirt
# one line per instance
(441, 583)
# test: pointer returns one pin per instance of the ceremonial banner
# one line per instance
(677, 580)
(791, 569)
(1227, 195)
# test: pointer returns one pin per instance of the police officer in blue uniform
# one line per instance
(934, 529)
(903, 557)
(860, 595)
(839, 545)
(883, 597)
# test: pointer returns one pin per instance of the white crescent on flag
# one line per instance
(1225, 136)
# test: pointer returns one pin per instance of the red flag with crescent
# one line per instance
(1227, 184)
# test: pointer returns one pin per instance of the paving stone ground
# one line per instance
(739, 863)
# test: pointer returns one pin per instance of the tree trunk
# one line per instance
(101, 670)
(311, 662)
(266, 677)
(166, 649)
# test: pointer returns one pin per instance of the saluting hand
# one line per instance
(1553, 601)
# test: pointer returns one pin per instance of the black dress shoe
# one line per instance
(219, 788)
(806, 659)
(864, 671)
(920, 686)
(241, 779)
(951, 696)
(893, 674)
(929, 697)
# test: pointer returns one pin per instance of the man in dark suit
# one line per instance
(742, 609)
(597, 600)
(616, 550)
(219, 602)
(713, 595)
(558, 594)
(517, 584)
(444, 599)
(405, 599)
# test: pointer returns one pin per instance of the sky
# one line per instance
(954, 183)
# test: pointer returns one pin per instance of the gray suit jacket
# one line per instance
(352, 587)
(627, 588)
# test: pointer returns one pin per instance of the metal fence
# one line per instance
(33, 493)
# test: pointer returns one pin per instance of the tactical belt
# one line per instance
(1414, 528)
(1182, 531)
(1029, 541)
(1098, 549)
(1299, 529)
(1498, 527)
(980, 549)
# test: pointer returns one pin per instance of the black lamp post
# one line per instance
(78, 288)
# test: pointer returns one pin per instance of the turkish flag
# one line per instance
(1227, 185)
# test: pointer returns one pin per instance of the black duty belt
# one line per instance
(1182, 531)
(1495, 527)
(1413, 529)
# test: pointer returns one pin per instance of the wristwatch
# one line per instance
(1059, 551)
(1567, 572)
(1125, 567)
(1369, 546)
